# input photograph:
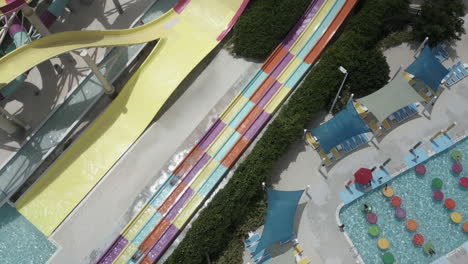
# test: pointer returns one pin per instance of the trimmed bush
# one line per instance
(225, 221)
(441, 21)
(264, 24)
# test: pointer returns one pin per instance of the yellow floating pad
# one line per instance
(186, 39)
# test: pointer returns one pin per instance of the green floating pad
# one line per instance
(456, 154)
(427, 247)
(437, 183)
(388, 258)
(374, 230)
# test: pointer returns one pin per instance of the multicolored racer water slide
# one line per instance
(186, 34)
(161, 220)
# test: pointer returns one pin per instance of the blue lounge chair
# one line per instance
(457, 73)
(252, 247)
(251, 240)
(352, 143)
(408, 111)
(462, 69)
(438, 56)
(346, 146)
(442, 51)
(403, 113)
(414, 107)
(364, 138)
(265, 259)
(450, 81)
(359, 140)
(397, 116)
(263, 253)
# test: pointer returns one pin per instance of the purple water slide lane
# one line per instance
(12, 6)
(269, 94)
(174, 211)
(179, 6)
(163, 243)
(280, 67)
(294, 34)
(211, 134)
(195, 169)
(257, 125)
(114, 250)
(48, 19)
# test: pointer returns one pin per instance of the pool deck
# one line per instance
(318, 231)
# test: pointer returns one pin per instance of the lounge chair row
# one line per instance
(456, 73)
(404, 113)
(353, 143)
(440, 53)
(251, 243)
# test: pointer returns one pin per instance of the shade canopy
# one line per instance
(344, 125)
(428, 69)
(279, 222)
(390, 98)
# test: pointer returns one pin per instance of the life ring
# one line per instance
(427, 247)
(396, 201)
(371, 218)
(457, 167)
(437, 183)
(464, 181)
(388, 191)
(450, 204)
(383, 243)
(438, 195)
(456, 217)
(368, 209)
(374, 230)
(388, 258)
(418, 239)
(457, 155)
(400, 213)
(420, 169)
(411, 225)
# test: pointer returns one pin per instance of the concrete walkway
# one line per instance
(318, 232)
(97, 221)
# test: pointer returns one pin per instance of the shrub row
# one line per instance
(218, 225)
(264, 24)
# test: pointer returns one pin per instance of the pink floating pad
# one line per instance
(464, 181)
(400, 213)
(457, 167)
(371, 218)
(438, 195)
(420, 169)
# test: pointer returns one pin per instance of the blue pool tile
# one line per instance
(411, 162)
(441, 143)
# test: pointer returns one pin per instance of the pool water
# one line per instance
(20, 241)
(417, 199)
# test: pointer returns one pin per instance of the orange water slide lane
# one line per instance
(315, 52)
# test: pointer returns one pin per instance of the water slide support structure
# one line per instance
(118, 6)
(44, 31)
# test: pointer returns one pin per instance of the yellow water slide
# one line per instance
(185, 39)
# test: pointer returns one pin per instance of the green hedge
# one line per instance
(217, 231)
(264, 24)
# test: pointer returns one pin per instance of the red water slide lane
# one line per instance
(315, 52)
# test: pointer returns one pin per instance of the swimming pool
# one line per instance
(416, 194)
